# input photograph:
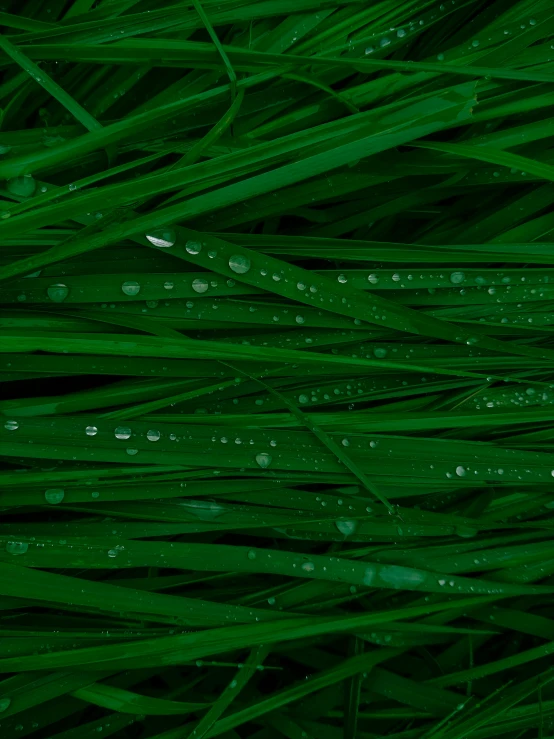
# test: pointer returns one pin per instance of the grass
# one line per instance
(276, 287)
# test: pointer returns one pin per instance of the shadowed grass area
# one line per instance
(277, 400)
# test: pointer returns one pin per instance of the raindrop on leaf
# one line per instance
(163, 238)
(58, 292)
(54, 496)
(263, 459)
(239, 263)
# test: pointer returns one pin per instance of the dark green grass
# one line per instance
(276, 313)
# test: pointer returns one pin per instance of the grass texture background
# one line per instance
(277, 288)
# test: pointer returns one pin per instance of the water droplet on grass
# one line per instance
(164, 238)
(131, 287)
(11, 425)
(346, 527)
(239, 263)
(122, 432)
(205, 510)
(193, 247)
(58, 292)
(308, 567)
(264, 459)
(16, 547)
(23, 186)
(4, 704)
(200, 285)
(457, 277)
(91, 431)
(369, 575)
(153, 435)
(54, 496)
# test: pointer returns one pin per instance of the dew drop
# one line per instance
(263, 459)
(193, 247)
(14, 425)
(91, 430)
(251, 554)
(457, 277)
(58, 292)
(153, 435)
(122, 432)
(346, 527)
(373, 278)
(239, 263)
(54, 496)
(23, 186)
(169, 285)
(16, 547)
(205, 510)
(4, 704)
(369, 575)
(131, 452)
(131, 287)
(200, 285)
(461, 471)
(308, 567)
(380, 352)
(164, 238)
